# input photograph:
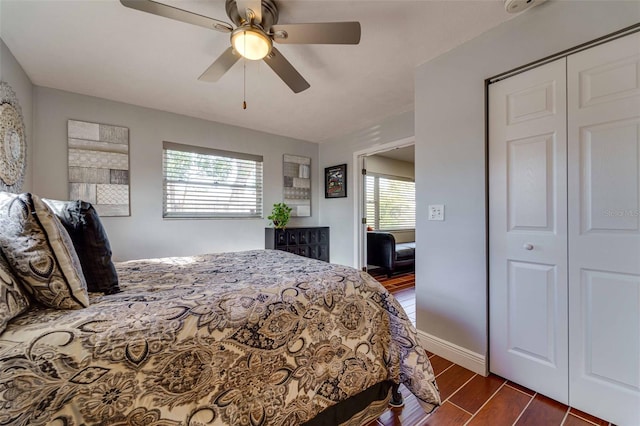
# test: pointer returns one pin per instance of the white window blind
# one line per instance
(208, 183)
(391, 202)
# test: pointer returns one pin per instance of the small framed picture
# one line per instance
(335, 181)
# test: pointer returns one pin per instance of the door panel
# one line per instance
(532, 103)
(527, 222)
(609, 186)
(530, 183)
(622, 293)
(604, 231)
(531, 312)
(614, 79)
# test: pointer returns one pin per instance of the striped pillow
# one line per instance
(40, 252)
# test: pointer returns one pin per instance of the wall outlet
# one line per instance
(436, 212)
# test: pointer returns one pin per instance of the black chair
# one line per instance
(383, 251)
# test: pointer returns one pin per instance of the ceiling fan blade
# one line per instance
(220, 66)
(286, 71)
(254, 5)
(171, 12)
(318, 33)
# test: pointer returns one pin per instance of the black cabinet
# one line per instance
(308, 242)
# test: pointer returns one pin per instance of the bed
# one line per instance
(250, 338)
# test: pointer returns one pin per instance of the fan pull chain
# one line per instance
(244, 84)
(244, 77)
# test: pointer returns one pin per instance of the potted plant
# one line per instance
(280, 215)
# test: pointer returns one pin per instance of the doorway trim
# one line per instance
(360, 248)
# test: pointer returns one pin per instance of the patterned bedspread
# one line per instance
(251, 338)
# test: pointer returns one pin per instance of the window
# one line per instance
(391, 202)
(209, 183)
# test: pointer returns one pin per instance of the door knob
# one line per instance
(528, 246)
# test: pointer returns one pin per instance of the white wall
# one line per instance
(451, 282)
(340, 213)
(390, 166)
(12, 73)
(145, 233)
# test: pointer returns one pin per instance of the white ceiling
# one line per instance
(100, 48)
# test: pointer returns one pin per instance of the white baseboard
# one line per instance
(463, 357)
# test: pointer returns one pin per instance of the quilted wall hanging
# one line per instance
(99, 166)
(13, 141)
(297, 184)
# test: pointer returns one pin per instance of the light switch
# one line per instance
(436, 212)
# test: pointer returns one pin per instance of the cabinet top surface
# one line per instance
(297, 227)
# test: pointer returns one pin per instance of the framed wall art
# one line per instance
(297, 184)
(99, 166)
(335, 181)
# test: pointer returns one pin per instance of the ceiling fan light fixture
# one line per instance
(251, 42)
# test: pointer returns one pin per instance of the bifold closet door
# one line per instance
(528, 229)
(604, 230)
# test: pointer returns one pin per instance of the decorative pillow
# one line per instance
(40, 252)
(90, 240)
(12, 301)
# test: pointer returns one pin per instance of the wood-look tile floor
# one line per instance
(403, 287)
(471, 399)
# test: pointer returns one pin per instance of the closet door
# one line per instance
(604, 230)
(527, 230)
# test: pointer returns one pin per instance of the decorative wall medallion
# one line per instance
(99, 166)
(13, 141)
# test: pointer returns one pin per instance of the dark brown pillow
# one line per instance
(90, 240)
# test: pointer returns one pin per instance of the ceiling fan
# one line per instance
(256, 29)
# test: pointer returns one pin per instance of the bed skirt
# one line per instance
(358, 410)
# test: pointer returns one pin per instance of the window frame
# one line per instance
(376, 191)
(212, 152)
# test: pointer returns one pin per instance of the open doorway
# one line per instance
(388, 213)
